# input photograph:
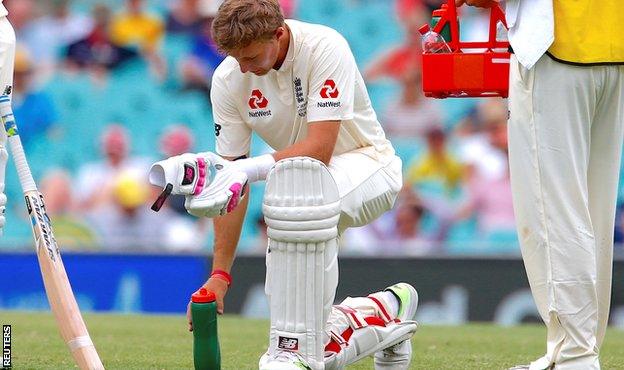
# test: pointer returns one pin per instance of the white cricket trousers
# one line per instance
(7, 54)
(565, 141)
(367, 188)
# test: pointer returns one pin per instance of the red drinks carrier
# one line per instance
(462, 73)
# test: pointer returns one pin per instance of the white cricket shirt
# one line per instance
(318, 81)
(3, 11)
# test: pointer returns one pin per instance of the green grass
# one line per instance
(162, 342)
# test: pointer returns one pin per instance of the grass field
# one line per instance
(162, 342)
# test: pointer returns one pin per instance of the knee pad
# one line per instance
(301, 209)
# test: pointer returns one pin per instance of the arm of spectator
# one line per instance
(470, 205)
(377, 68)
(478, 3)
(151, 50)
(158, 65)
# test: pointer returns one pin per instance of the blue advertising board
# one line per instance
(451, 290)
(107, 282)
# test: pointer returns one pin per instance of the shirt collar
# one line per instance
(292, 46)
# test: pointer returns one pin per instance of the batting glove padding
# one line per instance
(187, 173)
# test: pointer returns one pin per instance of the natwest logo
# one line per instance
(329, 90)
(257, 100)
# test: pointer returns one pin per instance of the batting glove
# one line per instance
(223, 193)
(212, 185)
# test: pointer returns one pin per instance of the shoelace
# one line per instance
(284, 356)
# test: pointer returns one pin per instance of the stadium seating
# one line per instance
(145, 105)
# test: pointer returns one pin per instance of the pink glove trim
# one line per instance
(201, 168)
(236, 193)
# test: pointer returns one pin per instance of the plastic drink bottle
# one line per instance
(432, 42)
(206, 351)
(501, 36)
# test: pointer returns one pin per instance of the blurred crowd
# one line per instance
(456, 197)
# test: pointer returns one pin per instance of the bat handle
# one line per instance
(23, 171)
(15, 144)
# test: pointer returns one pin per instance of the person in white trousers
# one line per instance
(566, 103)
(7, 60)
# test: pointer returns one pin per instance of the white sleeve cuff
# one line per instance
(256, 168)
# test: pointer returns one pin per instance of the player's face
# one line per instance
(259, 57)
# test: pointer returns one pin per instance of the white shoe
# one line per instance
(527, 367)
(283, 360)
(399, 356)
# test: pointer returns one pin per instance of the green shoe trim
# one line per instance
(403, 295)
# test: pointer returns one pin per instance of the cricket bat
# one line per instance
(59, 292)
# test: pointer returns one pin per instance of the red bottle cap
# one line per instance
(203, 296)
(424, 29)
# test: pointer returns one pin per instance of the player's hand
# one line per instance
(478, 3)
(224, 192)
(219, 287)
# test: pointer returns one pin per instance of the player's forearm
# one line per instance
(227, 231)
(308, 147)
(318, 144)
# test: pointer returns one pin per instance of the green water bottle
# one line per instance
(206, 352)
(438, 14)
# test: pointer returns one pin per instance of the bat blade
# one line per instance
(60, 295)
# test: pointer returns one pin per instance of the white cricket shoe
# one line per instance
(527, 367)
(283, 360)
(399, 356)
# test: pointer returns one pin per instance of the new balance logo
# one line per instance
(290, 344)
(329, 90)
(257, 100)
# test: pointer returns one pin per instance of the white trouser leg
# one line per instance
(565, 133)
(603, 179)
(7, 55)
(301, 209)
(7, 58)
(367, 188)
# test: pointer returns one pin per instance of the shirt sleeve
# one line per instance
(232, 135)
(332, 82)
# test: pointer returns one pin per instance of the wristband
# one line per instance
(220, 274)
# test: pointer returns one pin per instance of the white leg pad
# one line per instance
(358, 328)
(301, 208)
